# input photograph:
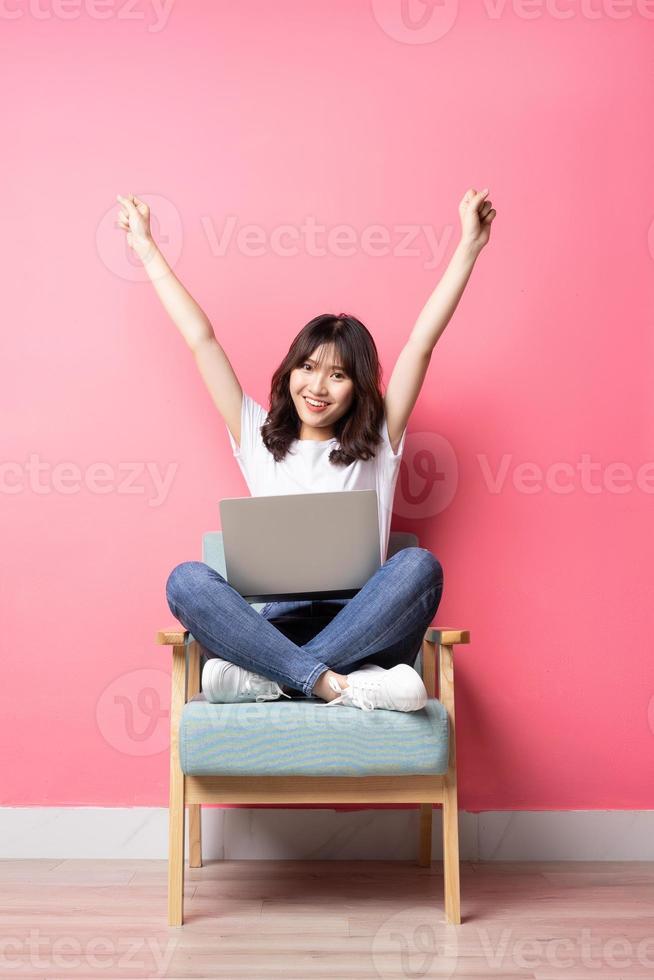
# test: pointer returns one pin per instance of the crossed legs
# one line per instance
(384, 622)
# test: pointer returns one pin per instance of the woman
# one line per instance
(328, 428)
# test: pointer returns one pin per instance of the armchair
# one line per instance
(411, 756)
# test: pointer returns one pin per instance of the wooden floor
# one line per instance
(348, 919)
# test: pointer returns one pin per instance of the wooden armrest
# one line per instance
(175, 636)
(446, 637)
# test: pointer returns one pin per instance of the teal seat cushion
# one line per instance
(303, 737)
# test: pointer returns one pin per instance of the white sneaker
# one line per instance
(224, 682)
(398, 689)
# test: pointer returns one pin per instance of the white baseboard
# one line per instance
(323, 834)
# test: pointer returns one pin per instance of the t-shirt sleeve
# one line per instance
(253, 415)
(387, 448)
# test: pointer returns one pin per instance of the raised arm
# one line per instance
(191, 321)
(404, 386)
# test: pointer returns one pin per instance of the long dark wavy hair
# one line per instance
(357, 431)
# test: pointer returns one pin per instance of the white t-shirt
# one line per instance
(306, 467)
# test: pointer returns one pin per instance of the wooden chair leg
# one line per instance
(451, 855)
(450, 805)
(176, 853)
(429, 680)
(195, 835)
(176, 801)
(195, 809)
(424, 849)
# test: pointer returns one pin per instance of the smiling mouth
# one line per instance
(318, 403)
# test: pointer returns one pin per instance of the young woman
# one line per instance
(329, 427)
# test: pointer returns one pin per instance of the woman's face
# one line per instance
(321, 377)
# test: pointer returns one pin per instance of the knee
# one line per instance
(183, 580)
(426, 566)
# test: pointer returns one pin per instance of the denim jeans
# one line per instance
(294, 642)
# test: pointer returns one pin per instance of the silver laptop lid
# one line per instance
(301, 545)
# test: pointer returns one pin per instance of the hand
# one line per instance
(476, 215)
(134, 218)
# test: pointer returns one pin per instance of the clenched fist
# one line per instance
(134, 218)
(476, 215)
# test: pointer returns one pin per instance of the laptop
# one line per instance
(301, 545)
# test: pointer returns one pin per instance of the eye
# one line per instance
(339, 373)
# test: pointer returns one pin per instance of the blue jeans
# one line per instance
(294, 642)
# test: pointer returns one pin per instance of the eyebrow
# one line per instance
(331, 365)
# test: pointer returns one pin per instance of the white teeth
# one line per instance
(317, 404)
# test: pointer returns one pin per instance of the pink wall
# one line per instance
(268, 115)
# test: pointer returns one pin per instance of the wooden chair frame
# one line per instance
(193, 791)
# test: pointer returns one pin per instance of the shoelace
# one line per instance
(261, 696)
(350, 697)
